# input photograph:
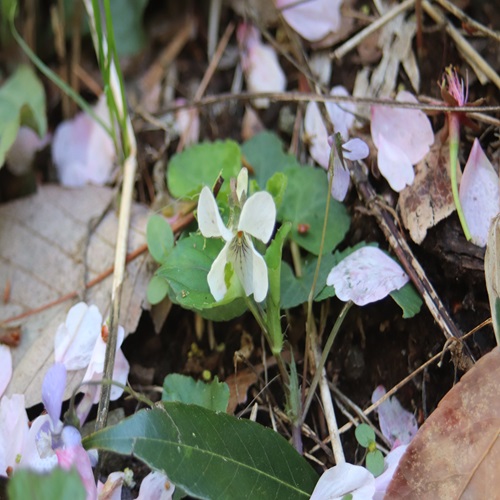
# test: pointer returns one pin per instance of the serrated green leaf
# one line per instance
(200, 165)
(160, 238)
(157, 290)
(211, 455)
(304, 205)
(212, 395)
(408, 299)
(26, 484)
(375, 462)
(186, 270)
(22, 102)
(364, 435)
(264, 152)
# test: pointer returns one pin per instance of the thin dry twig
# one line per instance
(478, 63)
(354, 41)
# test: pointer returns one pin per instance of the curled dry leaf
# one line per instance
(492, 273)
(429, 199)
(456, 453)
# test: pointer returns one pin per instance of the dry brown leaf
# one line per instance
(43, 253)
(429, 199)
(492, 273)
(456, 453)
(239, 383)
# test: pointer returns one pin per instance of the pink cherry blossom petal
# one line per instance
(5, 367)
(313, 19)
(76, 337)
(260, 64)
(365, 276)
(156, 485)
(398, 425)
(112, 488)
(13, 431)
(479, 194)
(394, 165)
(37, 451)
(403, 138)
(344, 479)
(22, 152)
(82, 150)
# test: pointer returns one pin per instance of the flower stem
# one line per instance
(454, 143)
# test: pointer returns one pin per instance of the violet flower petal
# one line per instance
(54, 384)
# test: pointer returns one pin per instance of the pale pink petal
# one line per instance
(313, 19)
(260, 64)
(317, 135)
(342, 114)
(355, 149)
(479, 194)
(82, 150)
(5, 367)
(13, 431)
(76, 337)
(407, 129)
(216, 275)
(394, 165)
(365, 276)
(156, 485)
(209, 219)
(341, 180)
(187, 123)
(345, 479)
(22, 152)
(72, 454)
(112, 488)
(398, 425)
(391, 464)
(258, 216)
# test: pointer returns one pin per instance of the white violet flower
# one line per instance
(257, 219)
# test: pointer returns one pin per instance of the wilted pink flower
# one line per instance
(342, 117)
(398, 425)
(479, 194)
(354, 149)
(312, 19)
(82, 150)
(365, 276)
(403, 138)
(95, 373)
(453, 89)
(260, 64)
(5, 367)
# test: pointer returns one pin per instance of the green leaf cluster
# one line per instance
(374, 458)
